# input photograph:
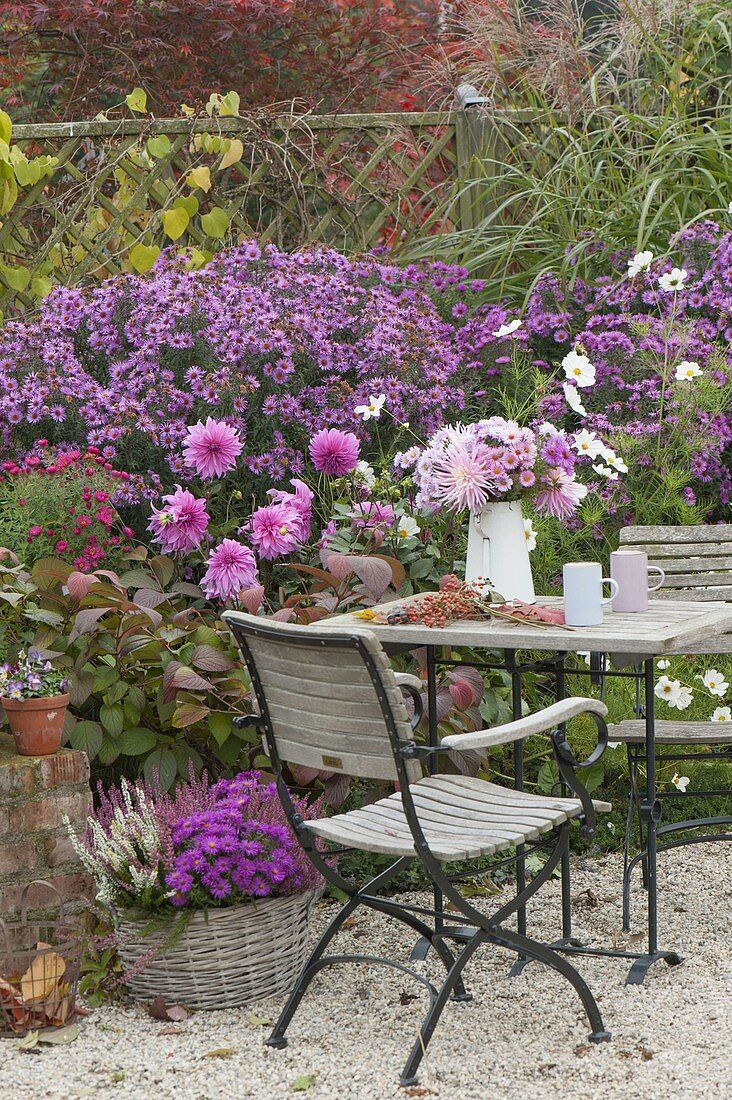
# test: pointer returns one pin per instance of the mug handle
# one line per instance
(656, 569)
(613, 584)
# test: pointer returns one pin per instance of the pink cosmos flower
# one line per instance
(334, 452)
(461, 474)
(560, 494)
(211, 449)
(180, 526)
(275, 529)
(231, 567)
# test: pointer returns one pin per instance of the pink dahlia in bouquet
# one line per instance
(471, 465)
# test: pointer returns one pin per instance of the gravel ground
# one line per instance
(520, 1038)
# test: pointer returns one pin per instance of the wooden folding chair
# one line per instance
(330, 699)
(697, 561)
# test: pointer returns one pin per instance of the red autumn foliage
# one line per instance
(71, 58)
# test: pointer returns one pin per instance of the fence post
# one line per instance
(473, 142)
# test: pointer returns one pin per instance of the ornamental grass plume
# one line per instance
(231, 567)
(181, 524)
(334, 452)
(211, 449)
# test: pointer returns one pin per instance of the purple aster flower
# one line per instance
(275, 530)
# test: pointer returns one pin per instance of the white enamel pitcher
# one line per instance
(497, 550)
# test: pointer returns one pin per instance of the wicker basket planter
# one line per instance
(223, 958)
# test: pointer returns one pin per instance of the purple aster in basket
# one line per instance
(334, 452)
(231, 567)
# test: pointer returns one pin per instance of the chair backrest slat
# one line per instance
(697, 560)
(328, 696)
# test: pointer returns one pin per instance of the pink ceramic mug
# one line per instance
(630, 569)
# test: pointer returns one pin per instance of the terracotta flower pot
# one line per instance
(37, 724)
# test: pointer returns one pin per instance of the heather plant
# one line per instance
(205, 845)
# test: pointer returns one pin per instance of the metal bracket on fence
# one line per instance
(467, 95)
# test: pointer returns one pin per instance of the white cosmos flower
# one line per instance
(663, 664)
(573, 399)
(729, 208)
(530, 534)
(550, 429)
(584, 654)
(507, 330)
(587, 443)
(722, 714)
(715, 683)
(681, 782)
(668, 690)
(686, 371)
(615, 462)
(640, 262)
(366, 473)
(684, 700)
(579, 369)
(673, 279)
(605, 471)
(407, 527)
(373, 409)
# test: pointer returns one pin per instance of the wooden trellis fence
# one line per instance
(350, 181)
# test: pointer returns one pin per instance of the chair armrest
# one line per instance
(405, 679)
(541, 721)
(413, 687)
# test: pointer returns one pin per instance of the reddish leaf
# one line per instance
(251, 598)
(211, 659)
(148, 597)
(187, 679)
(286, 615)
(174, 1013)
(86, 620)
(374, 572)
(79, 584)
(462, 693)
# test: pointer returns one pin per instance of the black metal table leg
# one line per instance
(422, 946)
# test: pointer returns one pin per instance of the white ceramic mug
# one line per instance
(583, 599)
(630, 569)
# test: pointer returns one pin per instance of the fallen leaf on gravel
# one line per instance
(118, 1075)
(581, 1049)
(406, 998)
(303, 1082)
(30, 1041)
(220, 1052)
(646, 1053)
(172, 1031)
(257, 1021)
(159, 1010)
(63, 1035)
(417, 1090)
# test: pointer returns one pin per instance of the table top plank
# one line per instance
(664, 628)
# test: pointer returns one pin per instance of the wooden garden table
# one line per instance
(666, 627)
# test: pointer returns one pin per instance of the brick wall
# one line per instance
(34, 794)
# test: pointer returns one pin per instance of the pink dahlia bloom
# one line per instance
(275, 530)
(373, 513)
(211, 449)
(181, 524)
(559, 494)
(301, 502)
(231, 567)
(334, 452)
(462, 474)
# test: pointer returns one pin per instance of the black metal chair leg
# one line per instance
(308, 972)
(522, 945)
(452, 981)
